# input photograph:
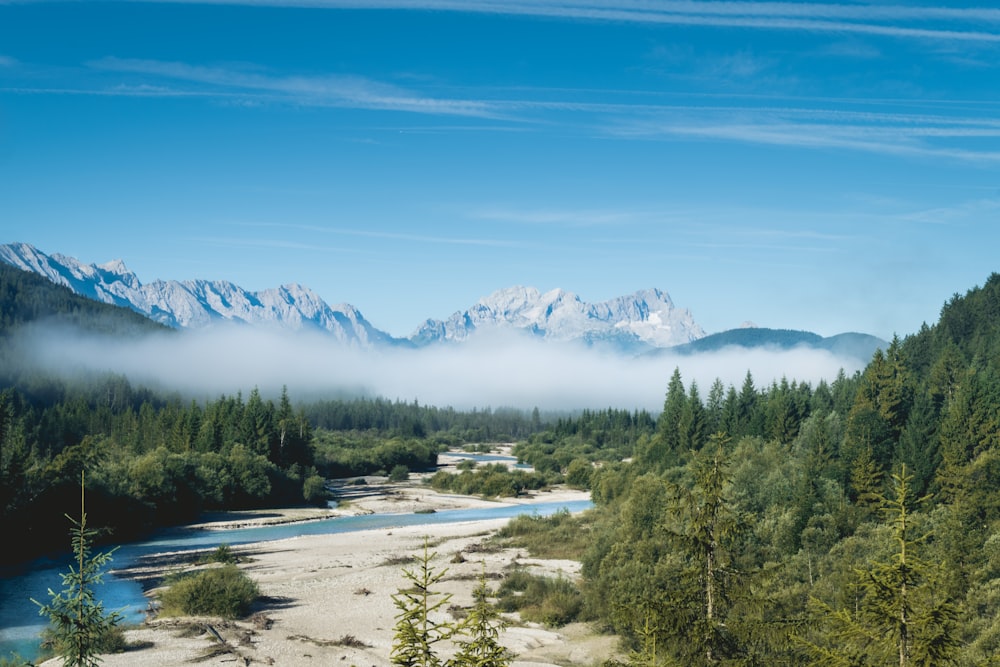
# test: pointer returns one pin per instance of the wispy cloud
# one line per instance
(329, 90)
(421, 238)
(339, 231)
(549, 216)
(907, 135)
(973, 24)
(7, 61)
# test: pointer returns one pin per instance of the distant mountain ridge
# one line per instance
(859, 345)
(647, 318)
(645, 321)
(191, 304)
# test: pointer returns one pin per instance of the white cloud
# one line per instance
(905, 22)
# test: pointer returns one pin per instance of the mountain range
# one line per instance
(644, 321)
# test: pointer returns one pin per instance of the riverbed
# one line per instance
(370, 527)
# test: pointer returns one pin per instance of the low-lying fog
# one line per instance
(495, 370)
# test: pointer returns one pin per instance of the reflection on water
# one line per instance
(20, 624)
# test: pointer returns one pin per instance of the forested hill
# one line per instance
(26, 297)
(849, 344)
(850, 524)
(967, 332)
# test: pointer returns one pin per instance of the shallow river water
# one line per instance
(20, 623)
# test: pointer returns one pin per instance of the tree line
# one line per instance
(855, 523)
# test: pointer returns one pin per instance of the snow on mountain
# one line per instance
(647, 318)
(632, 323)
(198, 303)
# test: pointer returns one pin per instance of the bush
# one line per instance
(220, 591)
(559, 535)
(314, 490)
(221, 554)
(399, 473)
(554, 602)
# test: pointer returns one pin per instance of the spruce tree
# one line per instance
(702, 527)
(482, 626)
(901, 617)
(417, 631)
(79, 627)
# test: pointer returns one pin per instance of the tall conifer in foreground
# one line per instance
(417, 632)
(79, 628)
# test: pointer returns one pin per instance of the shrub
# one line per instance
(559, 535)
(221, 554)
(399, 473)
(314, 490)
(554, 602)
(220, 591)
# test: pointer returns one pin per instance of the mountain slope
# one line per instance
(27, 297)
(645, 319)
(198, 303)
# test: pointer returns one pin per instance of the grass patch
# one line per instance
(346, 641)
(551, 601)
(399, 560)
(560, 535)
(225, 592)
(222, 554)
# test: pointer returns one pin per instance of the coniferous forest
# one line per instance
(854, 522)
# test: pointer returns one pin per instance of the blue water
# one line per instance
(20, 623)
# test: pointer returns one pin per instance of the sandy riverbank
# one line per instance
(320, 590)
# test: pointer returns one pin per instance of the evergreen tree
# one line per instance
(79, 628)
(901, 617)
(418, 626)
(703, 526)
(482, 626)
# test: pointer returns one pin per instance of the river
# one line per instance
(20, 623)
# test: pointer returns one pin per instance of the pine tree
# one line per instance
(78, 625)
(901, 615)
(483, 626)
(702, 526)
(417, 632)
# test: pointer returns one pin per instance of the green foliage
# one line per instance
(26, 297)
(314, 490)
(13, 660)
(559, 535)
(578, 474)
(399, 473)
(221, 554)
(226, 592)
(350, 453)
(541, 599)
(481, 629)
(79, 627)
(901, 614)
(418, 627)
(492, 480)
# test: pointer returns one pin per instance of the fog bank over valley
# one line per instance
(493, 369)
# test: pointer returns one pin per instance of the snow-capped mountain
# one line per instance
(647, 318)
(198, 303)
(634, 323)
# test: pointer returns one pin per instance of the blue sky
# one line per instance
(829, 167)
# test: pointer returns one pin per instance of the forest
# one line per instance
(854, 522)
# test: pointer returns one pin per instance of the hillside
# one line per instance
(26, 297)
(858, 345)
